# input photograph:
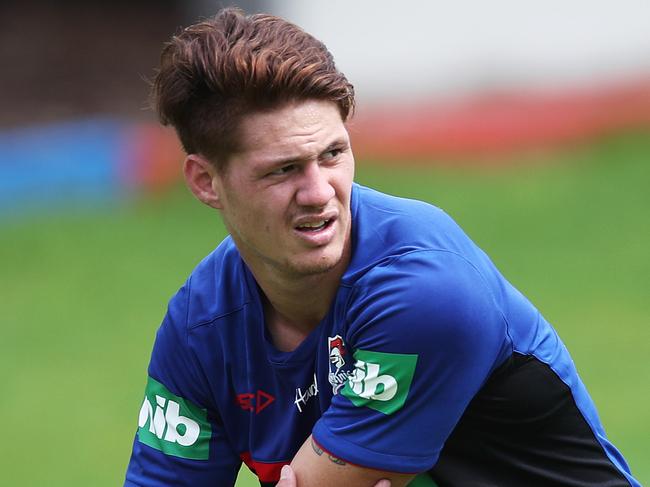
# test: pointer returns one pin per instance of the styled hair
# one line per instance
(217, 70)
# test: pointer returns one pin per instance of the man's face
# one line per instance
(285, 198)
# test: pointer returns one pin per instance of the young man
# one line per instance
(351, 334)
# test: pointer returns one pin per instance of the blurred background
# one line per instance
(529, 122)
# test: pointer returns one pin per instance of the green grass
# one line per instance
(83, 293)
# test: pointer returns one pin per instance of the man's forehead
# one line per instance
(311, 115)
(284, 129)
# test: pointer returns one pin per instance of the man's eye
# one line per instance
(332, 154)
(283, 170)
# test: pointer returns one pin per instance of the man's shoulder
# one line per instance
(380, 202)
(386, 228)
(399, 221)
(215, 288)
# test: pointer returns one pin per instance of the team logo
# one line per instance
(337, 353)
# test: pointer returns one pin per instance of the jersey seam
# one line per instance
(197, 369)
(190, 325)
(270, 462)
(395, 258)
(217, 317)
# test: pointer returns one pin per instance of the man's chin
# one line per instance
(314, 266)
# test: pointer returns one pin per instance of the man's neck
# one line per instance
(295, 305)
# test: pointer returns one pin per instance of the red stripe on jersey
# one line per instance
(265, 471)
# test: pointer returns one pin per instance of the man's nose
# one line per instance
(315, 189)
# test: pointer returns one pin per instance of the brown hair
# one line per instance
(217, 70)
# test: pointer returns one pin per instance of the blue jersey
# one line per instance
(428, 361)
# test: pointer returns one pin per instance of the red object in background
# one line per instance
(498, 124)
(152, 157)
(485, 128)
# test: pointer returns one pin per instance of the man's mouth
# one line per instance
(314, 226)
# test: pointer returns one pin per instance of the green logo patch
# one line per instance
(380, 381)
(172, 424)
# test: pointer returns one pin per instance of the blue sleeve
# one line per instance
(425, 334)
(180, 440)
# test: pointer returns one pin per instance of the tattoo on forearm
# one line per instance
(338, 461)
(319, 451)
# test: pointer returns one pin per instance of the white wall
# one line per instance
(459, 46)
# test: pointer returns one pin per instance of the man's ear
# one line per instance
(199, 176)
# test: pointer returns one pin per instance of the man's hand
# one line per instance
(288, 479)
(315, 467)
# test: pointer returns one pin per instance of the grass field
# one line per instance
(83, 293)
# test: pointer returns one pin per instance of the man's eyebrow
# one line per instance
(336, 144)
(281, 161)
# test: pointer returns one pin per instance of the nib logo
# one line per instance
(368, 384)
(167, 423)
(172, 424)
(380, 381)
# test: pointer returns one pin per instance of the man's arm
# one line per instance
(314, 467)
(418, 361)
(179, 442)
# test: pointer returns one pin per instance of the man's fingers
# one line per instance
(288, 478)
